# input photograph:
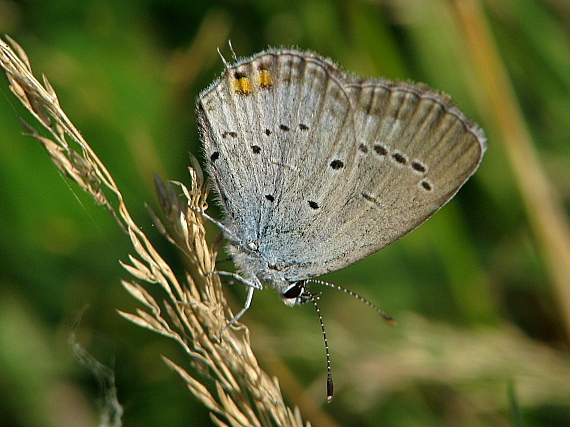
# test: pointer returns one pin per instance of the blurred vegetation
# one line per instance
(480, 291)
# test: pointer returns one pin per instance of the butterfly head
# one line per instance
(297, 293)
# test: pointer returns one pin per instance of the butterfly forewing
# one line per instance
(415, 150)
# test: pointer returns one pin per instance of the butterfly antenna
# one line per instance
(384, 315)
(330, 391)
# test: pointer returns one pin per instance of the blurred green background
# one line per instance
(483, 328)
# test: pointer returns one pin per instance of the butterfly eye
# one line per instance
(295, 290)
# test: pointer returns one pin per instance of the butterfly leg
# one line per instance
(253, 285)
(248, 299)
(213, 220)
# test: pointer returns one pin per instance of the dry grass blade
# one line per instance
(543, 204)
(231, 385)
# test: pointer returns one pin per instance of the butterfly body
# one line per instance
(316, 169)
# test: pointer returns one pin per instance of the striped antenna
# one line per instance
(384, 315)
(330, 388)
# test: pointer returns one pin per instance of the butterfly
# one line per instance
(316, 169)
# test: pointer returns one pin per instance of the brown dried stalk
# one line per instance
(231, 383)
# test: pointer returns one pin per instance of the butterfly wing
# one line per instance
(317, 170)
(414, 150)
(262, 126)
